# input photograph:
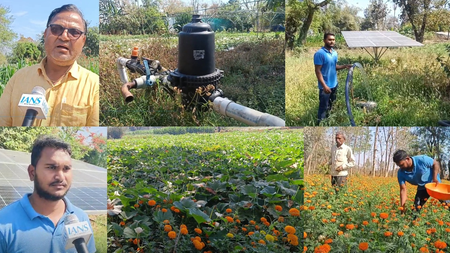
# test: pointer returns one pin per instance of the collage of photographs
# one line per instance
(225, 126)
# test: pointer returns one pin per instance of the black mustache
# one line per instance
(55, 183)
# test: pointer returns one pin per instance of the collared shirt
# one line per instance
(421, 173)
(328, 61)
(73, 101)
(341, 156)
(23, 230)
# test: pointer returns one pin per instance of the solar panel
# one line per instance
(378, 39)
(88, 190)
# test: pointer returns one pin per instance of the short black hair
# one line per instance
(399, 155)
(46, 141)
(67, 8)
(325, 36)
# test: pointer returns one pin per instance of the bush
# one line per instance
(115, 132)
(92, 39)
(25, 50)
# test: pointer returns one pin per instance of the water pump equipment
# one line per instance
(196, 76)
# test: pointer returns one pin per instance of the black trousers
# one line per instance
(337, 181)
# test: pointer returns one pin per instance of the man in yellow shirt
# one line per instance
(72, 92)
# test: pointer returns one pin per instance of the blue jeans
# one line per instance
(325, 103)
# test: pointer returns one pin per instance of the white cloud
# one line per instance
(19, 14)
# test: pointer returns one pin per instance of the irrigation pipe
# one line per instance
(348, 87)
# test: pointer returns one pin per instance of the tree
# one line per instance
(6, 34)
(311, 9)
(181, 20)
(417, 13)
(25, 50)
(375, 15)
(115, 132)
(92, 39)
(22, 138)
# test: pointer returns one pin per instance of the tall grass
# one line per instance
(7, 71)
(409, 85)
(254, 77)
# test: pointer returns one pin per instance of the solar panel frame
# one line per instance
(376, 39)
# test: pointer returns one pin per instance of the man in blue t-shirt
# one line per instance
(417, 170)
(325, 62)
(36, 223)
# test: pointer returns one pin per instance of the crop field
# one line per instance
(365, 217)
(253, 66)
(409, 85)
(216, 192)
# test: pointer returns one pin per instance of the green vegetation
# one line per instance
(98, 223)
(409, 85)
(232, 190)
(25, 50)
(254, 76)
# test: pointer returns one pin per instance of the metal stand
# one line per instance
(377, 54)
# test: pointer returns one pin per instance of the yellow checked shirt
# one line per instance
(73, 101)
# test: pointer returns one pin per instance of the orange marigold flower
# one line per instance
(276, 232)
(365, 223)
(440, 244)
(256, 227)
(136, 241)
(172, 235)
(262, 242)
(229, 219)
(228, 210)
(424, 250)
(340, 233)
(167, 228)
(305, 234)
(251, 233)
(373, 214)
(278, 208)
(151, 202)
(328, 241)
(136, 205)
(400, 233)
(289, 229)
(122, 223)
(141, 202)
(198, 245)
(350, 226)
(387, 233)
(166, 221)
(263, 219)
(310, 208)
(183, 226)
(281, 219)
(164, 210)
(198, 231)
(363, 246)
(184, 231)
(384, 215)
(322, 249)
(295, 211)
(252, 222)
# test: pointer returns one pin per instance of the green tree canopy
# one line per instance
(26, 50)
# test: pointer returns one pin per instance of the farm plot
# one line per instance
(221, 192)
(253, 66)
(365, 217)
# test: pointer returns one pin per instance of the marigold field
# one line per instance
(215, 192)
(365, 216)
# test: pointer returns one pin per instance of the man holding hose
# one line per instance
(325, 62)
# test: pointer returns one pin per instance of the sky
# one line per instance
(363, 4)
(30, 17)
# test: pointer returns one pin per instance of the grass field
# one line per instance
(98, 223)
(229, 195)
(367, 211)
(253, 66)
(409, 86)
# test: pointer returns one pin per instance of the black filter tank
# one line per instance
(196, 65)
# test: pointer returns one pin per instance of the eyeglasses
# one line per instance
(73, 33)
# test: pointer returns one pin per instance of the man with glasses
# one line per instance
(72, 92)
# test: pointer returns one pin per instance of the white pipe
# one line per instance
(244, 114)
(121, 63)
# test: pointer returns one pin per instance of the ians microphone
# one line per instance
(35, 104)
(78, 233)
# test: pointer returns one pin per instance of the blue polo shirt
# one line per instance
(328, 61)
(421, 173)
(22, 229)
